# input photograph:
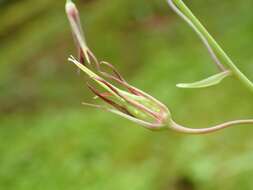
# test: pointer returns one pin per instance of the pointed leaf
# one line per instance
(210, 81)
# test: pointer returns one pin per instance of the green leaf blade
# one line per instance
(210, 81)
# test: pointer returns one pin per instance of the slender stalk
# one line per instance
(201, 36)
(216, 47)
(182, 129)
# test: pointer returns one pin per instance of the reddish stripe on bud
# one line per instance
(114, 70)
(118, 78)
(108, 85)
(93, 58)
(81, 55)
(129, 100)
(110, 102)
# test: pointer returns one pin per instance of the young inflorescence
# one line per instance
(132, 103)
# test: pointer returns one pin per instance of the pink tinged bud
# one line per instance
(132, 104)
(75, 23)
(71, 10)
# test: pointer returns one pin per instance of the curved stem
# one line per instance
(202, 37)
(182, 129)
(216, 47)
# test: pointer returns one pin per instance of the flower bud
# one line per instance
(78, 35)
(132, 103)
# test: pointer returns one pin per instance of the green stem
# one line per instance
(220, 52)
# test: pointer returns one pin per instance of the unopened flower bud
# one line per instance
(132, 104)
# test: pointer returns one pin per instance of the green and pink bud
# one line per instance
(123, 99)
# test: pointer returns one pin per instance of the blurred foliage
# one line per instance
(49, 141)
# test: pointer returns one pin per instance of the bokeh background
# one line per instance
(48, 140)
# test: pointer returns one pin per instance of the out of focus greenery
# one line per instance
(48, 140)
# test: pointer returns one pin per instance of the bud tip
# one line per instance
(70, 8)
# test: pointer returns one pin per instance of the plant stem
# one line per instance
(179, 128)
(187, 12)
(220, 66)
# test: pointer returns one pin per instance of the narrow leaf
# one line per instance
(210, 81)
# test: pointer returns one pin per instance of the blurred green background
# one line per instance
(48, 140)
